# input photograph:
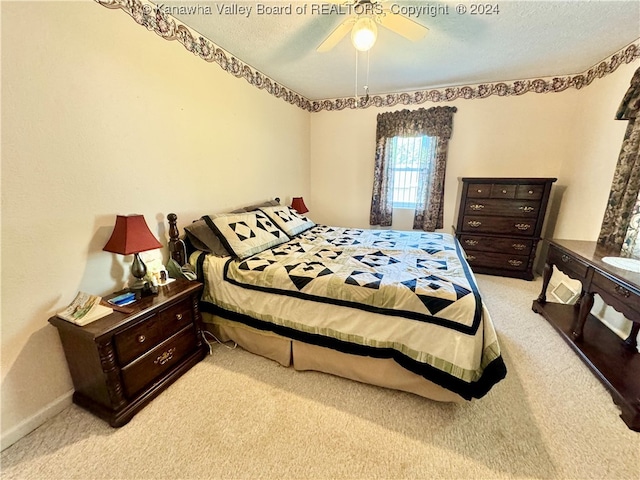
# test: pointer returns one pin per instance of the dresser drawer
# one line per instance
(530, 192)
(479, 190)
(145, 369)
(503, 191)
(511, 246)
(506, 208)
(568, 264)
(498, 260)
(500, 225)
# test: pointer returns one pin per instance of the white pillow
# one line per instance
(288, 220)
(245, 234)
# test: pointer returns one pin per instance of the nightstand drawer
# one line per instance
(138, 339)
(165, 356)
(175, 317)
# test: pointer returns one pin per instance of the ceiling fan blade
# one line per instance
(338, 34)
(403, 26)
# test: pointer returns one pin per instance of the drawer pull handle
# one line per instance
(515, 263)
(527, 209)
(523, 226)
(518, 246)
(479, 190)
(474, 223)
(471, 242)
(165, 357)
(504, 191)
(471, 258)
(178, 316)
(565, 258)
(620, 290)
(141, 338)
(530, 192)
(476, 206)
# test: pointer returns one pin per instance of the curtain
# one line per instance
(625, 187)
(436, 122)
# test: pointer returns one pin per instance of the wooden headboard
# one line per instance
(177, 247)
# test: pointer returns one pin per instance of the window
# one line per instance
(410, 160)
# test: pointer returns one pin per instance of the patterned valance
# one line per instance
(630, 105)
(435, 122)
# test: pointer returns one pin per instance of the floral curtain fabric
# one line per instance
(435, 122)
(625, 187)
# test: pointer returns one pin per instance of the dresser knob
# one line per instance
(141, 338)
(504, 191)
(479, 190)
(565, 258)
(178, 316)
(530, 192)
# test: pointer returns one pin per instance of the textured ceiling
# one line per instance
(518, 40)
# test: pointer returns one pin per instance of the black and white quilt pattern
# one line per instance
(418, 275)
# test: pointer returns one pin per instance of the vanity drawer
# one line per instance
(624, 299)
(501, 225)
(512, 246)
(506, 208)
(150, 366)
(566, 263)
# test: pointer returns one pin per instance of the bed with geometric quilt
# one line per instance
(398, 309)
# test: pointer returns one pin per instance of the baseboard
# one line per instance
(30, 424)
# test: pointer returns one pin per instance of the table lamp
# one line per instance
(131, 235)
(297, 203)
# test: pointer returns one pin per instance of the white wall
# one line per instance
(570, 135)
(102, 117)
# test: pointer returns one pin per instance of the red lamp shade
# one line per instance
(298, 205)
(131, 235)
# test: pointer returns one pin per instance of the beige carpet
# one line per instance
(236, 415)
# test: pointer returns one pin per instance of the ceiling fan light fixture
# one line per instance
(364, 34)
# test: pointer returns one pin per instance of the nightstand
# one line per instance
(120, 362)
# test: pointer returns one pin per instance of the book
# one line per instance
(84, 309)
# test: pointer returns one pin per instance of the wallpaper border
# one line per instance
(153, 18)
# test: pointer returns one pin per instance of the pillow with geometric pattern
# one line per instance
(288, 220)
(245, 234)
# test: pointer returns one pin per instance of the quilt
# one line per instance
(410, 296)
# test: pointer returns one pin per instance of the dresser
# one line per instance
(120, 362)
(614, 361)
(500, 221)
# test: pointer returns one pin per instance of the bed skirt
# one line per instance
(303, 356)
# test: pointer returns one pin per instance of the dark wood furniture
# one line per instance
(120, 362)
(616, 363)
(500, 221)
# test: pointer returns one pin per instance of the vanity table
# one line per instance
(614, 361)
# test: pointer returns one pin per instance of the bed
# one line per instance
(397, 309)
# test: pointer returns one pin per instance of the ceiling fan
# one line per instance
(362, 24)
